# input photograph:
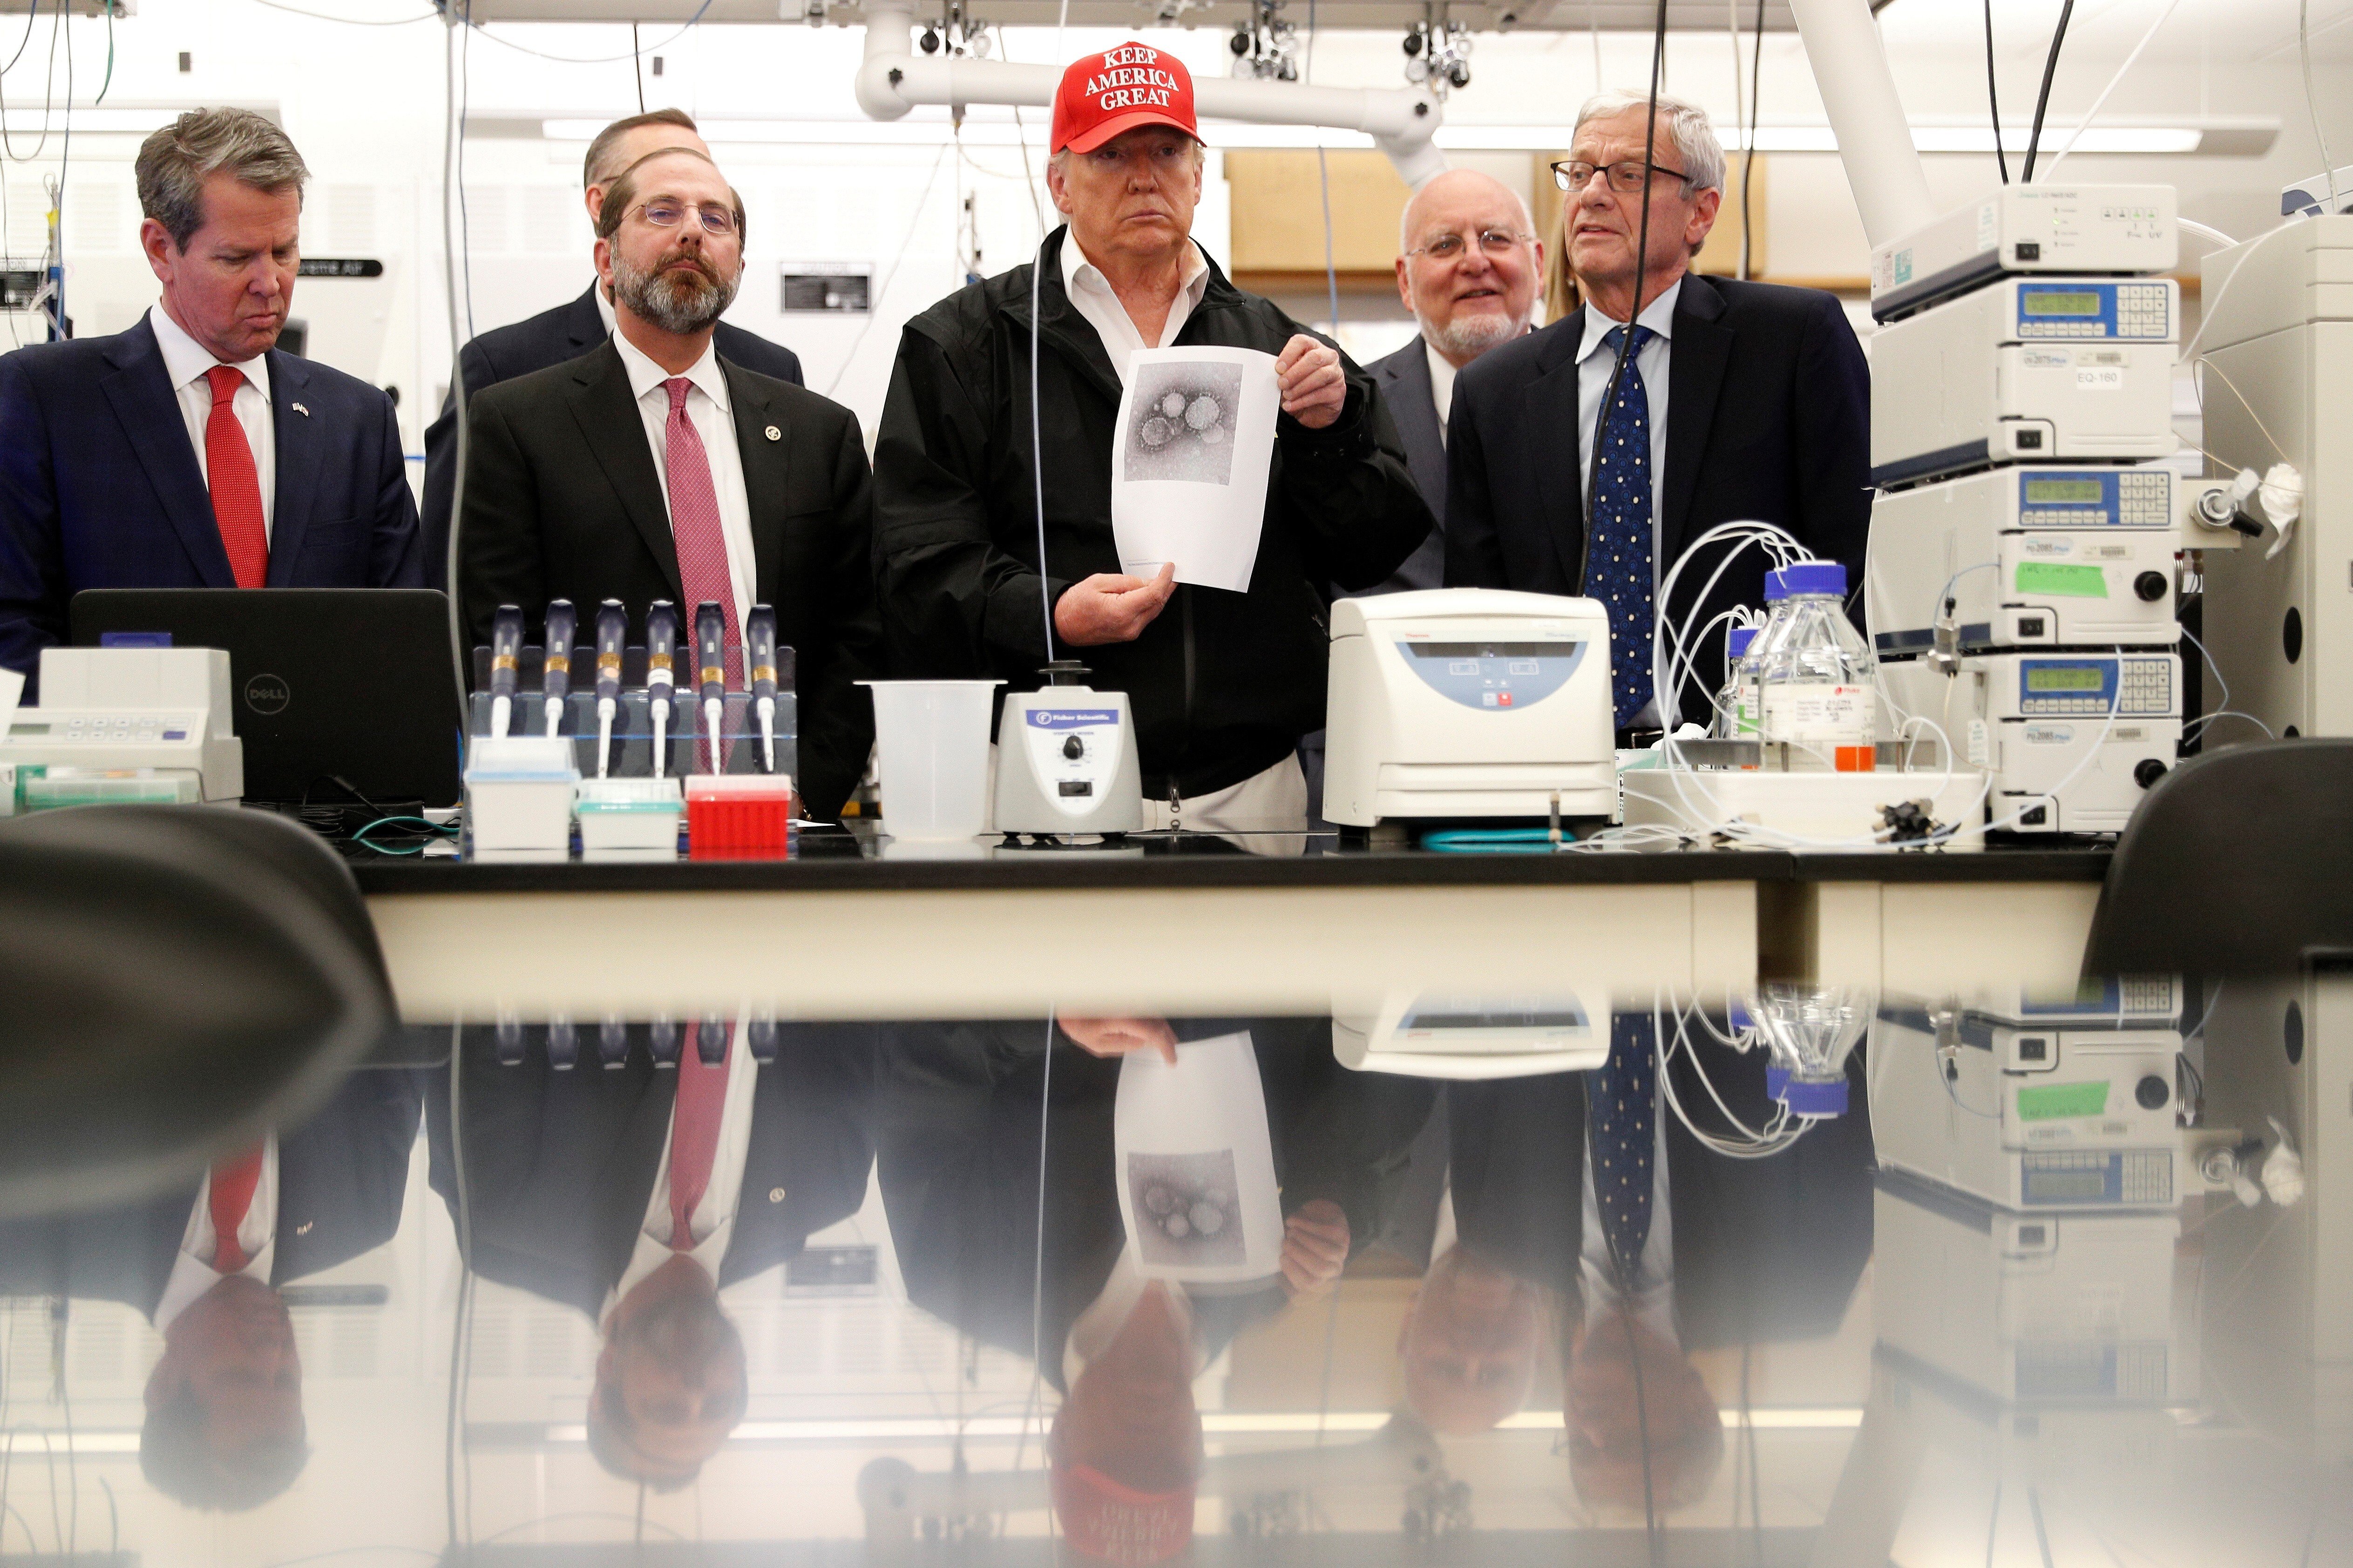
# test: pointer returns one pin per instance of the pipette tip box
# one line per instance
(519, 793)
(628, 814)
(739, 816)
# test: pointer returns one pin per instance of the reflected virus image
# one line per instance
(1182, 423)
(1188, 1208)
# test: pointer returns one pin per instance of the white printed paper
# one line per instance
(1189, 473)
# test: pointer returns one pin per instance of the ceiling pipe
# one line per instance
(1875, 141)
(894, 79)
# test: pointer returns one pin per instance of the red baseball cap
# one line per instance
(1105, 1521)
(1119, 89)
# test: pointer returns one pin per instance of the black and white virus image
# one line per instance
(1188, 1208)
(1182, 423)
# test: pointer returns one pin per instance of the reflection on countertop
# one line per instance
(1501, 1272)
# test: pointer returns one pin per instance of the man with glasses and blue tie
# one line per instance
(651, 468)
(1734, 401)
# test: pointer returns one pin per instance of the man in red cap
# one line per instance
(1223, 684)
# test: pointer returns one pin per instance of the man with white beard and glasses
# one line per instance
(1469, 267)
(651, 468)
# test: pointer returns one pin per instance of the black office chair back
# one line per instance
(175, 979)
(2238, 863)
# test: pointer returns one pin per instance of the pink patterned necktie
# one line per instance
(696, 1113)
(695, 532)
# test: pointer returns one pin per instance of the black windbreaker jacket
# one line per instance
(1223, 684)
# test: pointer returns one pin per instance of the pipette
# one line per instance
(760, 664)
(612, 631)
(506, 653)
(661, 675)
(555, 669)
(710, 658)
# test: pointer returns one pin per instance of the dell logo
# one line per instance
(267, 694)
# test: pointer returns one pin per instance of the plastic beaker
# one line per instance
(933, 740)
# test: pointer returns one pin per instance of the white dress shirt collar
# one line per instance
(187, 360)
(1092, 296)
(645, 374)
(604, 306)
(1659, 316)
(192, 1267)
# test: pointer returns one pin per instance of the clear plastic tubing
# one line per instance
(1818, 709)
(1735, 704)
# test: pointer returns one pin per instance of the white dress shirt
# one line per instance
(715, 1217)
(193, 1273)
(1653, 1298)
(1095, 299)
(188, 362)
(708, 409)
(1441, 387)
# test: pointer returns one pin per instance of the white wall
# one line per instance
(365, 103)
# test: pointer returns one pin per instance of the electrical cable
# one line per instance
(906, 243)
(461, 1363)
(452, 129)
(1037, 418)
(31, 16)
(2097, 103)
(2312, 104)
(1323, 182)
(1748, 152)
(2042, 99)
(1634, 311)
(1993, 97)
(48, 96)
(637, 65)
(465, 214)
(348, 21)
(111, 6)
(594, 60)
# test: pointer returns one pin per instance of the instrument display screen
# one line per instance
(29, 729)
(2064, 492)
(2057, 302)
(2082, 678)
(2065, 1186)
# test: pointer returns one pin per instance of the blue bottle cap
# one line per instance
(1741, 638)
(1806, 577)
(1805, 1099)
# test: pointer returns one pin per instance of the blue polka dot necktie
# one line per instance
(1617, 555)
(1623, 1129)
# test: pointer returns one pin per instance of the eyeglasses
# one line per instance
(1450, 247)
(1626, 178)
(664, 214)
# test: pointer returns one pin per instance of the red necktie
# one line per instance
(694, 527)
(693, 1136)
(236, 491)
(234, 1179)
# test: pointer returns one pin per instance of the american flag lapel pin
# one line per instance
(303, 411)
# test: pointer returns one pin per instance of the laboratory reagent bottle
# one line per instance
(1735, 704)
(1819, 710)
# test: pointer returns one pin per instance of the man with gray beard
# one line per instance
(649, 469)
(1469, 271)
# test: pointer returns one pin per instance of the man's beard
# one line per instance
(680, 303)
(1469, 336)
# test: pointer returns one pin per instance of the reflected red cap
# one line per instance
(1108, 1522)
(1119, 89)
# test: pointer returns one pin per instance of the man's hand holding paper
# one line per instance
(1308, 375)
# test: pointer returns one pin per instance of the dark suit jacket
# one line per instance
(1764, 1249)
(341, 1179)
(562, 501)
(1769, 418)
(1406, 392)
(550, 338)
(560, 1165)
(99, 485)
